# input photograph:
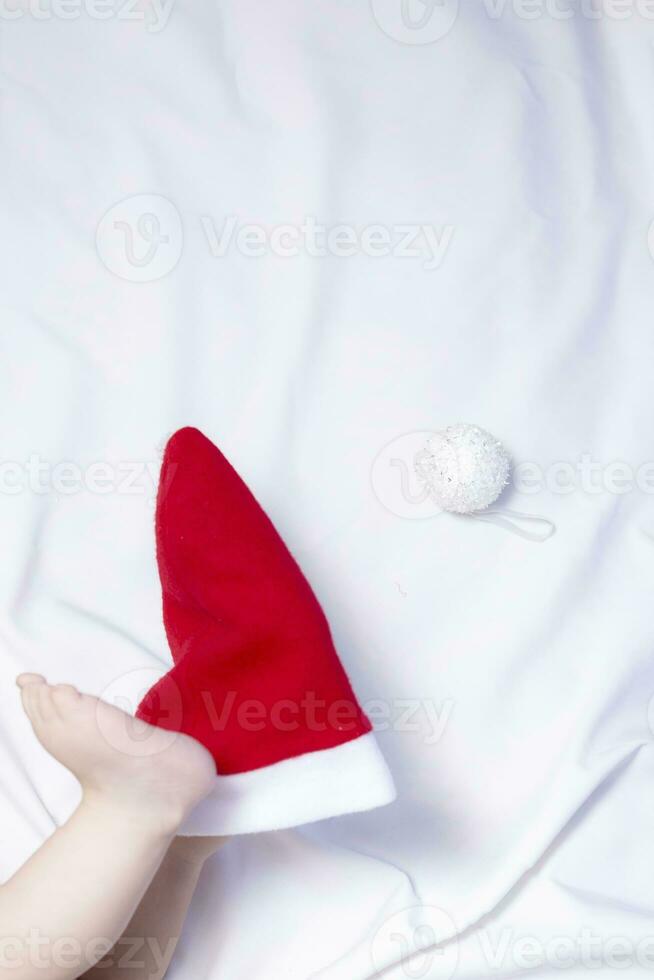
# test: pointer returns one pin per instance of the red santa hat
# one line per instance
(256, 678)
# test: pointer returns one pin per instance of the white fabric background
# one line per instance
(532, 138)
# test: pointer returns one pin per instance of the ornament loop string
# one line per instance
(501, 518)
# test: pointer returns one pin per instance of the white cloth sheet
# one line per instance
(524, 143)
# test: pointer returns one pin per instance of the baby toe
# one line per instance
(47, 709)
(64, 697)
(24, 680)
(65, 691)
(30, 699)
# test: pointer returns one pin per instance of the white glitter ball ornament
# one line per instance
(465, 468)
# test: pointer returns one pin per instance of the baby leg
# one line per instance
(73, 898)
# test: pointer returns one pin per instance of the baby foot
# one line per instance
(118, 759)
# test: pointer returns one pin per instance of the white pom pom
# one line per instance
(464, 467)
